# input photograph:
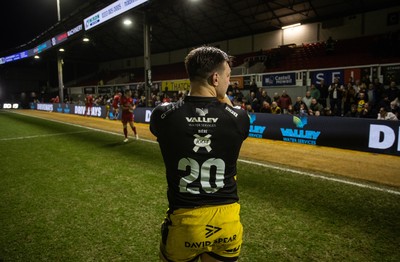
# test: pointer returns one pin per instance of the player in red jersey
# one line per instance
(128, 106)
(115, 104)
(88, 104)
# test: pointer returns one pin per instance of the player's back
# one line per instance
(200, 141)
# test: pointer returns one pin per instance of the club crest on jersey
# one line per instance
(202, 141)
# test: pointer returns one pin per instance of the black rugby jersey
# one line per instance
(200, 140)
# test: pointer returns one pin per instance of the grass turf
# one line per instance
(73, 194)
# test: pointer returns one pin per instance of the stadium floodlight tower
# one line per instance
(147, 54)
(60, 63)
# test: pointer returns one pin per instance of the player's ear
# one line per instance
(214, 79)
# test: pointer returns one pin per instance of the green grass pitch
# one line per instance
(74, 194)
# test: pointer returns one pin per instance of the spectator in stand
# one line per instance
(265, 97)
(315, 108)
(352, 112)
(393, 91)
(371, 94)
(324, 93)
(284, 101)
(379, 89)
(275, 109)
(349, 97)
(253, 100)
(290, 110)
(115, 104)
(230, 95)
(142, 101)
(253, 87)
(108, 107)
(297, 104)
(385, 115)
(56, 99)
(384, 102)
(266, 107)
(157, 100)
(395, 107)
(351, 81)
(88, 104)
(315, 93)
(243, 103)
(238, 94)
(358, 85)
(249, 109)
(303, 110)
(276, 97)
(361, 100)
(237, 103)
(307, 99)
(366, 80)
(335, 96)
(367, 111)
(362, 90)
(166, 98)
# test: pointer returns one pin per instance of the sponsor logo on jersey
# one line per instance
(202, 141)
(227, 108)
(201, 119)
(224, 240)
(202, 111)
(211, 230)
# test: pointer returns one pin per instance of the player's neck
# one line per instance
(201, 89)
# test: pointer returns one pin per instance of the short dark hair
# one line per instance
(201, 62)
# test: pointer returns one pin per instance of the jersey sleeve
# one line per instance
(157, 116)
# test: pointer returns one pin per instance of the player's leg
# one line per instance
(125, 128)
(133, 127)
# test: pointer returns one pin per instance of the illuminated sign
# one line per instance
(74, 30)
(43, 46)
(10, 106)
(59, 39)
(110, 11)
(15, 57)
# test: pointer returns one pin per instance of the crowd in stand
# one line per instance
(361, 99)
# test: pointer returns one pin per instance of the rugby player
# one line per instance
(127, 116)
(200, 139)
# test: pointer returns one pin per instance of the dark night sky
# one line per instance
(23, 20)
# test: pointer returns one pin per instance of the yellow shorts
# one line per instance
(215, 230)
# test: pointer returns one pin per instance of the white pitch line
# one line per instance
(251, 162)
(38, 136)
(320, 176)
